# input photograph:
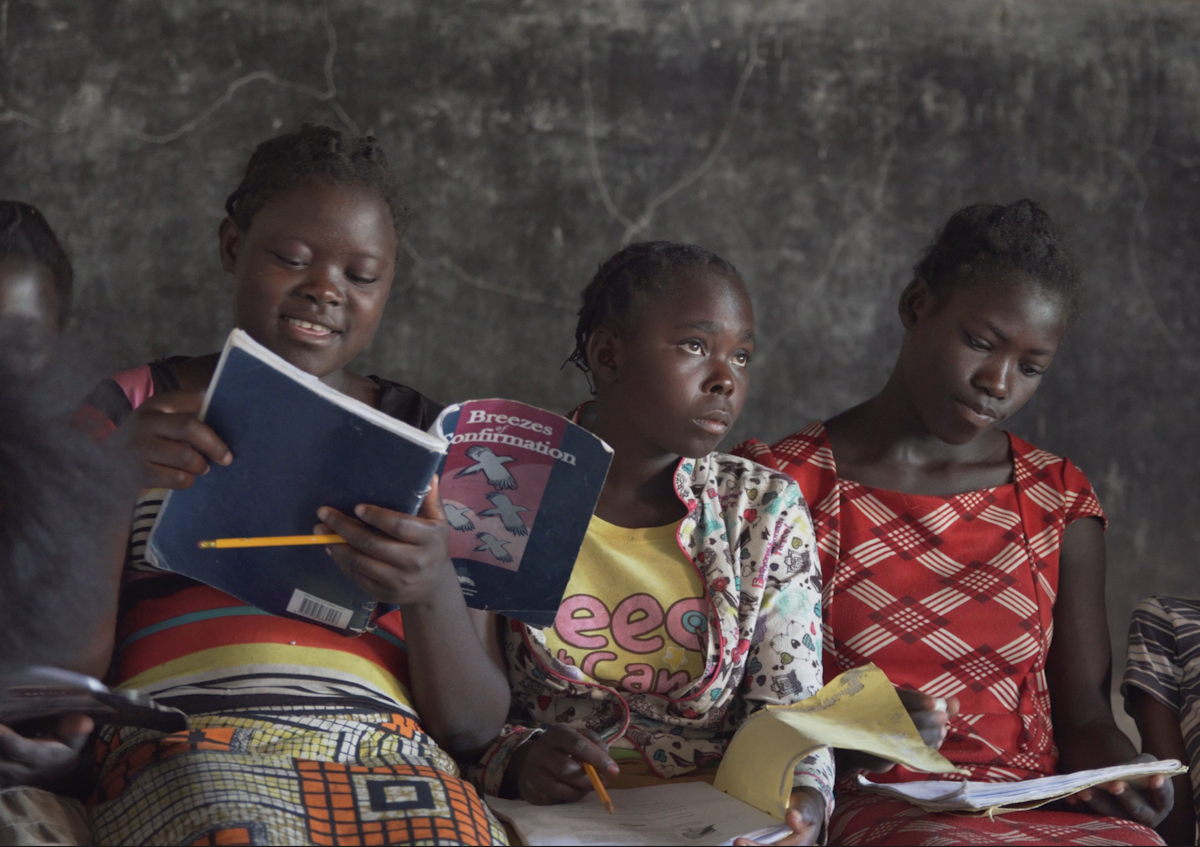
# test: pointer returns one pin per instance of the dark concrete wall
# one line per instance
(815, 144)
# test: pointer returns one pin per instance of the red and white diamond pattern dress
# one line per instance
(953, 596)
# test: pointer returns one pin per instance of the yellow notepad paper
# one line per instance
(859, 710)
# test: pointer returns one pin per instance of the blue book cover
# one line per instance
(519, 487)
(297, 445)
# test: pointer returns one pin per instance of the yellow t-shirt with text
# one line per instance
(633, 616)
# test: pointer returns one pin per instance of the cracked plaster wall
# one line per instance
(815, 144)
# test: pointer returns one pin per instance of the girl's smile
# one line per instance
(308, 330)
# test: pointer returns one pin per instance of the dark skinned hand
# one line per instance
(805, 816)
(170, 446)
(1146, 801)
(550, 771)
(931, 722)
(400, 559)
(38, 761)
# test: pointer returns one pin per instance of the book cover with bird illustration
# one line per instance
(519, 487)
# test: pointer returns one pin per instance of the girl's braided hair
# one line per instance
(25, 233)
(649, 267)
(319, 153)
(999, 242)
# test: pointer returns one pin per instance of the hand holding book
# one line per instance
(1147, 800)
(170, 445)
(398, 559)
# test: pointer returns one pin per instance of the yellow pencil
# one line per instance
(605, 800)
(269, 541)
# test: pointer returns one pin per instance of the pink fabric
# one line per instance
(137, 383)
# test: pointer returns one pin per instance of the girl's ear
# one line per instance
(915, 300)
(229, 240)
(602, 355)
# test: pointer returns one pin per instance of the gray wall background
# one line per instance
(815, 144)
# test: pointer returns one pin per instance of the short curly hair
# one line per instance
(648, 267)
(318, 153)
(993, 241)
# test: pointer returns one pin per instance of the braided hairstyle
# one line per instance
(25, 234)
(316, 153)
(1002, 243)
(649, 267)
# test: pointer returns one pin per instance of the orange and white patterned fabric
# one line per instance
(950, 595)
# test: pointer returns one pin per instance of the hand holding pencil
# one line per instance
(555, 767)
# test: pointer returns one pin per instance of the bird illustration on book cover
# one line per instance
(500, 459)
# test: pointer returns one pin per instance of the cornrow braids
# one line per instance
(992, 240)
(25, 233)
(649, 267)
(316, 153)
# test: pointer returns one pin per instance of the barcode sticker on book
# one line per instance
(316, 609)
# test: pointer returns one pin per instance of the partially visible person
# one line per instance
(1162, 693)
(299, 734)
(35, 284)
(952, 551)
(59, 495)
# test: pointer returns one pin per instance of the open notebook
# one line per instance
(688, 813)
(994, 797)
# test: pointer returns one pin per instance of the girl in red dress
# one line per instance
(965, 562)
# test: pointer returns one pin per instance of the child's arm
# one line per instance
(1163, 739)
(1079, 674)
(457, 682)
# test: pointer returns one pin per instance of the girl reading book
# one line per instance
(952, 550)
(299, 735)
(695, 600)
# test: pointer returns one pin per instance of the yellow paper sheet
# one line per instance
(859, 710)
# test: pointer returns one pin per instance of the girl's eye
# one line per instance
(741, 358)
(976, 343)
(693, 346)
(291, 263)
(1031, 371)
(361, 280)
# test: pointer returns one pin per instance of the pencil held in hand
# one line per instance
(269, 541)
(605, 800)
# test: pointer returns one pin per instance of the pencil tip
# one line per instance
(206, 545)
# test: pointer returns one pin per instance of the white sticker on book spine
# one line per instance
(315, 609)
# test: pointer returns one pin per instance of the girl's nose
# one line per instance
(322, 288)
(720, 381)
(994, 378)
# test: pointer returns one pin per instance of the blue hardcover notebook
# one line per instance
(519, 487)
(297, 445)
